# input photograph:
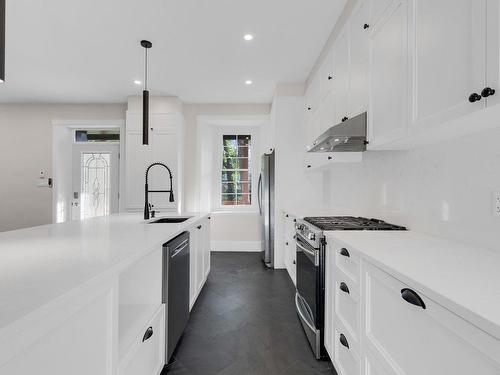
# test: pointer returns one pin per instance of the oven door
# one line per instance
(307, 276)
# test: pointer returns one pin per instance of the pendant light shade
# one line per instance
(2, 40)
(145, 95)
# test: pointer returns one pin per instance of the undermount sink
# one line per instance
(171, 220)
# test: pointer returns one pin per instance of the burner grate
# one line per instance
(350, 223)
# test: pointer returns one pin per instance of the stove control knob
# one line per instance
(300, 226)
(311, 237)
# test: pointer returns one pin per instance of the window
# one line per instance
(236, 174)
(98, 135)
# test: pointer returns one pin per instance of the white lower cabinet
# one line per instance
(289, 245)
(147, 356)
(199, 258)
(346, 357)
(427, 339)
(386, 327)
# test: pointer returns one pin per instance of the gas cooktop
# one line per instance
(350, 223)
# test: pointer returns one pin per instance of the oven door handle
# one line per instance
(309, 252)
(299, 310)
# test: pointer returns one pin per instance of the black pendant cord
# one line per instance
(145, 96)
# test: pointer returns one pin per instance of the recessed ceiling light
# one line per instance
(137, 82)
(248, 37)
(248, 82)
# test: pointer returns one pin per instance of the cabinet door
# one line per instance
(493, 50)
(164, 143)
(326, 75)
(358, 75)
(206, 248)
(388, 95)
(193, 259)
(448, 47)
(341, 76)
(313, 94)
(414, 340)
(200, 256)
(137, 158)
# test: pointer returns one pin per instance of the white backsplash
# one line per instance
(445, 189)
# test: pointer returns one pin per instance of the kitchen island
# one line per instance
(77, 297)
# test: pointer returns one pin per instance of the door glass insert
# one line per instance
(95, 185)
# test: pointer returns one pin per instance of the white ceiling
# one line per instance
(87, 51)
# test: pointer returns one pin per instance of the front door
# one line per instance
(95, 180)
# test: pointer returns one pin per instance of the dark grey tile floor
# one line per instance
(244, 323)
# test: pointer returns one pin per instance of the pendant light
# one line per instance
(2, 40)
(145, 95)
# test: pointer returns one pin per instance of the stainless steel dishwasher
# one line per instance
(175, 290)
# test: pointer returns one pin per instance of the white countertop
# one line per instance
(40, 264)
(464, 279)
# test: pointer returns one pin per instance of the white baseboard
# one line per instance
(243, 246)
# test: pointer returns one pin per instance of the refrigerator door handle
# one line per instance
(259, 194)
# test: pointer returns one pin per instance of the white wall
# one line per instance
(244, 228)
(443, 189)
(26, 148)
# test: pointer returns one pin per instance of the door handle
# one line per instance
(412, 297)
(343, 341)
(177, 251)
(147, 335)
(344, 287)
(259, 197)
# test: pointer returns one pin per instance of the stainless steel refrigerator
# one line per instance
(265, 196)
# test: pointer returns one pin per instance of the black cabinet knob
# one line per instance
(309, 108)
(294, 262)
(344, 252)
(366, 26)
(345, 118)
(412, 297)
(343, 341)
(344, 287)
(308, 166)
(147, 334)
(330, 78)
(474, 97)
(286, 243)
(487, 91)
(199, 227)
(329, 158)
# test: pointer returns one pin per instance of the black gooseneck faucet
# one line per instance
(147, 191)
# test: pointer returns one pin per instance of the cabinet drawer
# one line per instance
(417, 336)
(346, 360)
(347, 306)
(348, 262)
(147, 357)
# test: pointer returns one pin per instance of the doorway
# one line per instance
(86, 168)
(95, 180)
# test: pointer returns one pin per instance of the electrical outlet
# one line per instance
(496, 203)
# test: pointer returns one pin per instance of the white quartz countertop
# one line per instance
(40, 264)
(464, 279)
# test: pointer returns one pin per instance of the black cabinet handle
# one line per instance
(309, 108)
(330, 78)
(412, 297)
(329, 158)
(487, 91)
(366, 26)
(344, 119)
(343, 341)
(308, 166)
(287, 215)
(294, 262)
(344, 252)
(474, 97)
(147, 334)
(344, 287)
(286, 243)
(199, 227)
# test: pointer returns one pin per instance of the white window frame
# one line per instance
(255, 161)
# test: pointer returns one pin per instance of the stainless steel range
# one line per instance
(310, 247)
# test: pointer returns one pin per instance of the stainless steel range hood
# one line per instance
(348, 136)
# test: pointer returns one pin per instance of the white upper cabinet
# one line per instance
(313, 94)
(493, 50)
(358, 75)
(164, 147)
(388, 97)
(448, 55)
(377, 9)
(325, 75)
(341, 76)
